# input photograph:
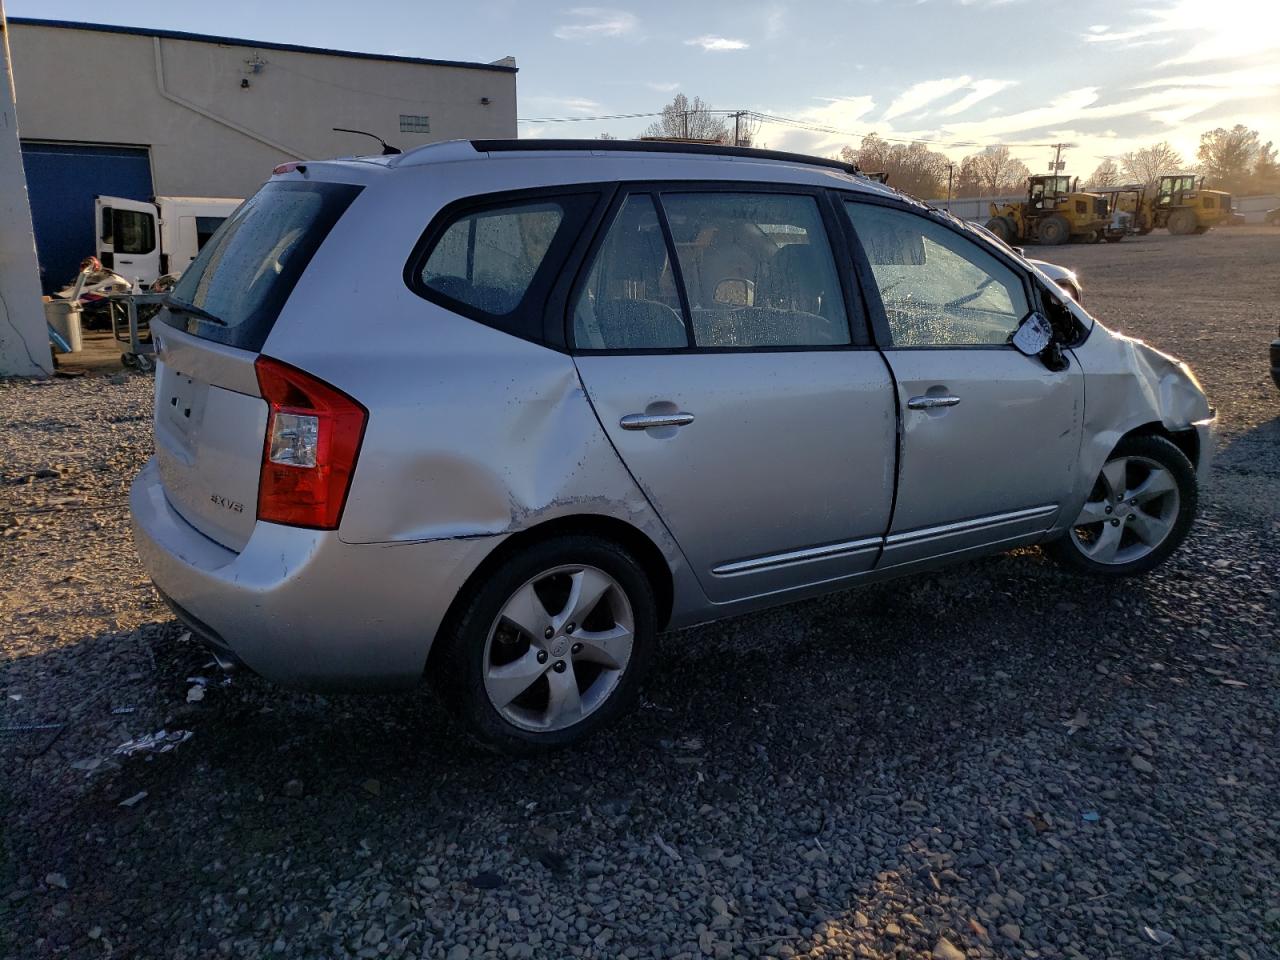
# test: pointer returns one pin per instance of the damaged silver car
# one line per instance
(494, 414)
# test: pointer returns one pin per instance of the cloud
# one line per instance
(553, 105)
(775, 22)
(592, 23)
(979, 90)
(1223, 30)
(712, 43)
(922, 94)
(671, 87)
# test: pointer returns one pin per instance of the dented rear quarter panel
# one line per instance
(472, 432)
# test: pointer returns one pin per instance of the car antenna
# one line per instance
(387, 149)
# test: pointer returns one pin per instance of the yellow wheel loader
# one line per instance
(1054, 212)
(1179, 203)
(1184, 206)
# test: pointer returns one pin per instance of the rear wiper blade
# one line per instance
(181, 306)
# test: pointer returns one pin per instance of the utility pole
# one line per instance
(950, 169)
(24, 337)
(1057, 164)
(737, 127)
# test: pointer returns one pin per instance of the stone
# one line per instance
(944, 949)
(1011, 931)
(293, 788)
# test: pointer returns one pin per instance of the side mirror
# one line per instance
(1034, 333)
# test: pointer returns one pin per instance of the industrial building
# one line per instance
(135, 113)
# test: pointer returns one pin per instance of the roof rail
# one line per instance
(663, 146)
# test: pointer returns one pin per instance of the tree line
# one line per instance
(1236, 160)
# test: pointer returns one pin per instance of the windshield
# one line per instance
(234, 289)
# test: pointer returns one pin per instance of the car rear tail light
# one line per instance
(313, 440)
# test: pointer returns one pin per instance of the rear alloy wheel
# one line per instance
(552, 646)
(1055, 230)
(1138, 512)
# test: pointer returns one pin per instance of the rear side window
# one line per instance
(235, 288)
(496, 258)
(488, 259)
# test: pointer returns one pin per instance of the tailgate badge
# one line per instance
(226, 504)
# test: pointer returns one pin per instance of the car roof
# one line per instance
(585, 161)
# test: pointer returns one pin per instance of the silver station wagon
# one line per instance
(494, 414)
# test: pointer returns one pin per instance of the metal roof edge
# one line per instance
(259, 44)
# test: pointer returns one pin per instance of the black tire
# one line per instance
(1182, 222)
(1002, 227)
(1055, 230)
(1114, 237)
(1066, 549)
(458, 670)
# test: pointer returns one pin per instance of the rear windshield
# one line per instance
(234, 290)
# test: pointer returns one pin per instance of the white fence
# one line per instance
(976, 208)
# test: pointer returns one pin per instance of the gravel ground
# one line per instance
(1002, 760)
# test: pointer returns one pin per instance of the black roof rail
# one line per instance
(663, 146)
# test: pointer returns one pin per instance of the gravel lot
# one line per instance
(999, 761)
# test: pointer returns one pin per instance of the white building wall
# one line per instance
(211, 136)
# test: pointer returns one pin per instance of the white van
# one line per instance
(144, 241)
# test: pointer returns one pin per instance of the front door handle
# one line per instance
(643, 421)
(931, 403)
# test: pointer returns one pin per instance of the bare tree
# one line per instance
(1105, 174)
(606, 136)
(994, 171)
(912, 167)
(1148, 164)
(690, 119)
(1230, 158)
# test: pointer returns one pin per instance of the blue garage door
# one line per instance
(62, 180)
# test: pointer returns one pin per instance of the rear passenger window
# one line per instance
(488, 259)
(757, 270)
(630, 301)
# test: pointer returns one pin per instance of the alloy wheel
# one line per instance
(1130, 512)
(558, 648)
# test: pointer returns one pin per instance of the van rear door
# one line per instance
(128, 237)
(210, 416)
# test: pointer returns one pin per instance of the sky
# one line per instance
(1107, 76)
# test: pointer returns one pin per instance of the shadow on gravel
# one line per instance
(834, 743)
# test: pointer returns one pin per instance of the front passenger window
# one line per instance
(939, 289)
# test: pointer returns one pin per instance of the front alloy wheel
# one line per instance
(1138, 512)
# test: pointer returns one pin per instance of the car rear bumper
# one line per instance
(301, 607)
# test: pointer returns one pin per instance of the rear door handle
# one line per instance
(643, 421)
(930, 403)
